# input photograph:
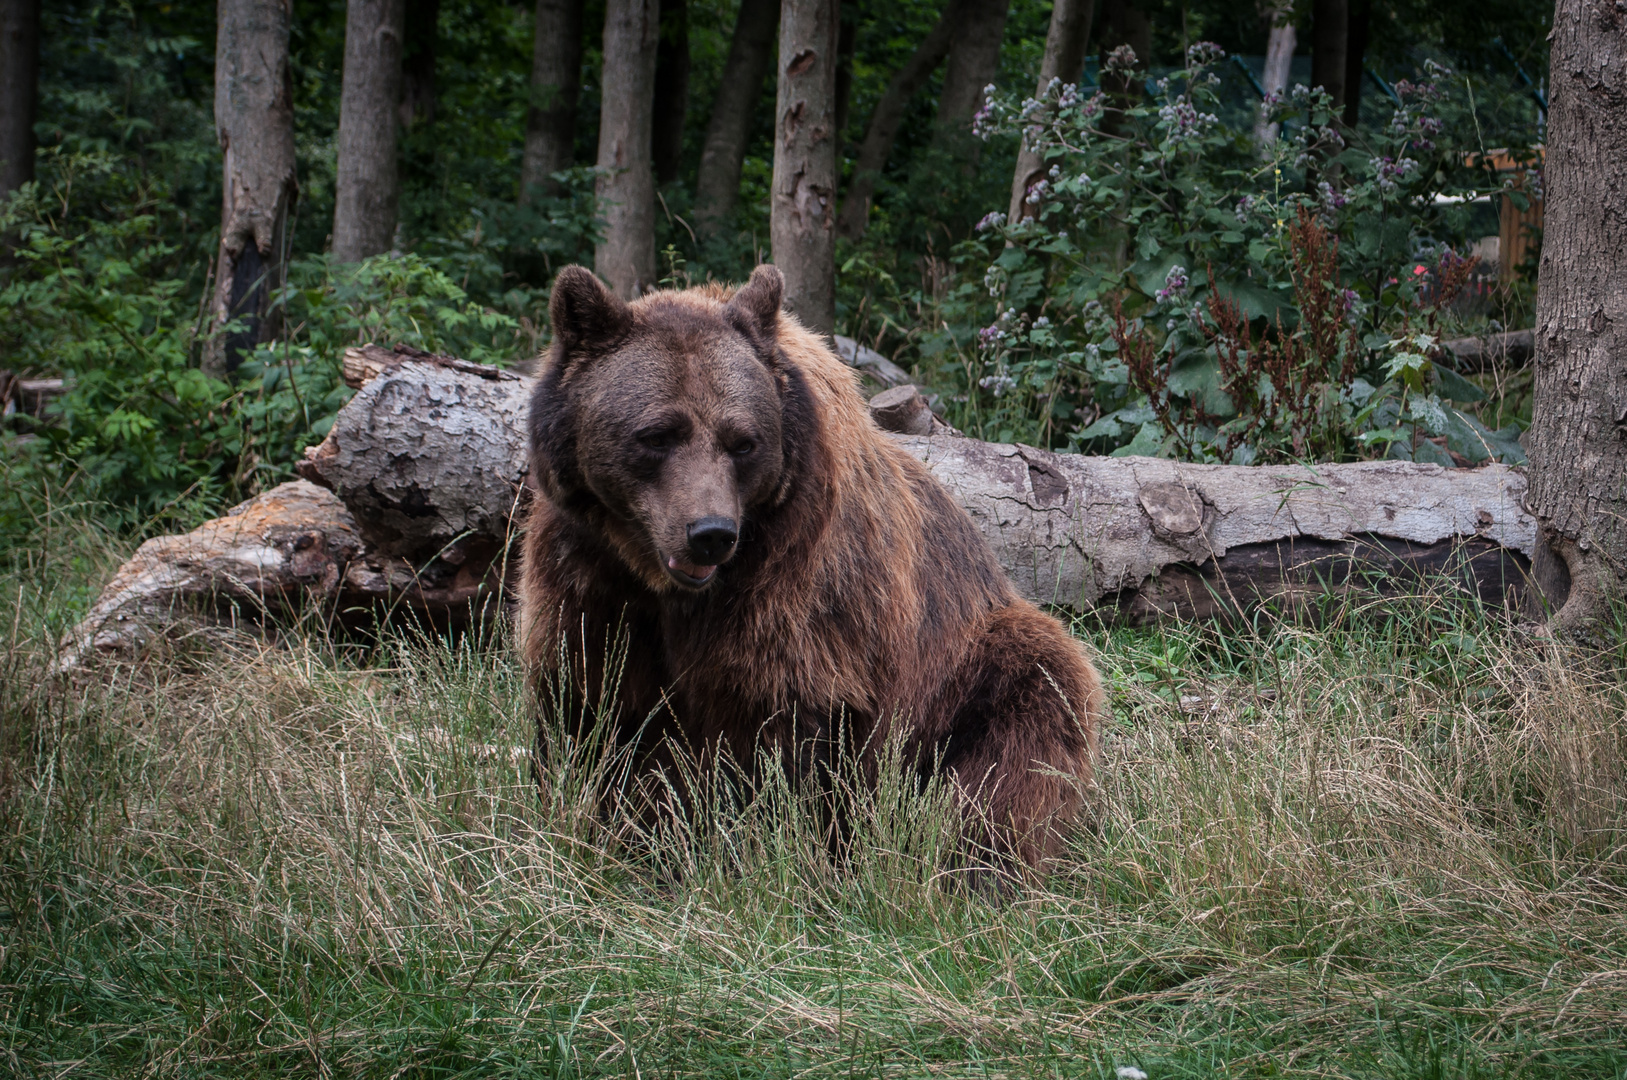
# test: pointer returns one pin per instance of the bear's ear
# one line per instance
(755, 309)
(584, 312)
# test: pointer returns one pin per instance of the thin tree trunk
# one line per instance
(418, 62)
(19, 90)
(254, 119)
(1064, 59)
(626, 188)
(671, 90)
(1330, 34)
(556, 83)
(717, 185)
(802, 225)
(367, 188)
(1279, 60)
(885, 120)
(974, 61)
(1578, 454)
(1359, 24)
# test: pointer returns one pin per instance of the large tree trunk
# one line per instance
(254, 119)
(428, 464)
(1064, 59)
(1578, 453)
(626, 188)
(418, 62)
(802, 225)
(888, 115)
(671, 91)
(1330, 35)
(974, 61)
(19, 90)
(367, 188)
(717, 185)
(1279, 60)
(1359, 23)
(556, 82)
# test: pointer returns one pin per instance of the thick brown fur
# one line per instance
(859, 594)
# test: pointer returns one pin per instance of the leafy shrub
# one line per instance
(1172, 291)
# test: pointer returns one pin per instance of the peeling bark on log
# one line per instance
(431, 459)
(426, 465)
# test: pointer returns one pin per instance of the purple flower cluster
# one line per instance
(1184, 121)
(1203, 54)
(1121, 61)
(1331, 199)
(1391, 171)
(991, 220)
(1175, 283)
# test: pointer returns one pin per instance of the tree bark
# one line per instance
(1064, 59)
(625, 258)
(1359, 22)
(556, 83)
(1279, 60)
(717, 185)
(802, 225)
(19, 90)
(366, 190)
(254, 120)
(671, 90)
(1072, 530)
(1330, 31)
(426, 468)
(1576, 445)
(420, 26)
(974, 61)
(885, 120)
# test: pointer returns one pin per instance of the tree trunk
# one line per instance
(803, 211)
(889, 114)
(1064, 59)
(367, 187)
(556, 83)
(1330, 32)
(974, 61)
(254, 119)
(1081, 531)
(19, 90)
(1279, 60)
(1577, 450)
(418, 62)
(1359, 22)
(428, 463)
(625, 258)
(717, 185)
(671, 91)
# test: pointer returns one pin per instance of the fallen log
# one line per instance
(424, 475)
(1512, 348)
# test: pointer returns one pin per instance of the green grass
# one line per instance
(1391, 847)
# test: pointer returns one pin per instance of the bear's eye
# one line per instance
(659, 440)
(742, 448)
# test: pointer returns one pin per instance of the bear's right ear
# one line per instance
(755, 309)
(584, 312)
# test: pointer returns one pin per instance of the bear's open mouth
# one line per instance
(688, 573)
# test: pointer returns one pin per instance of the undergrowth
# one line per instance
(1390, 846)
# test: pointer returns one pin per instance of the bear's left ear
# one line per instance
(755, 309)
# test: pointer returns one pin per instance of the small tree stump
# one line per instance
(902, 410)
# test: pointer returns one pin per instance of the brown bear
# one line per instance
(712, 487)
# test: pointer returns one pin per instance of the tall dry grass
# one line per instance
(1395, 846)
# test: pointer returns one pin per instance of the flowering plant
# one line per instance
(1171, 287)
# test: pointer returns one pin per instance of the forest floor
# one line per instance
(1392, 846)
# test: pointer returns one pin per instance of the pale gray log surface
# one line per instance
(426, 466)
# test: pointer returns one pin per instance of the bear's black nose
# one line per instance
(711, 539)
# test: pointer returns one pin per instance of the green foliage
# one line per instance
(1170, 292)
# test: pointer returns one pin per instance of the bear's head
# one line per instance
(661, 423)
